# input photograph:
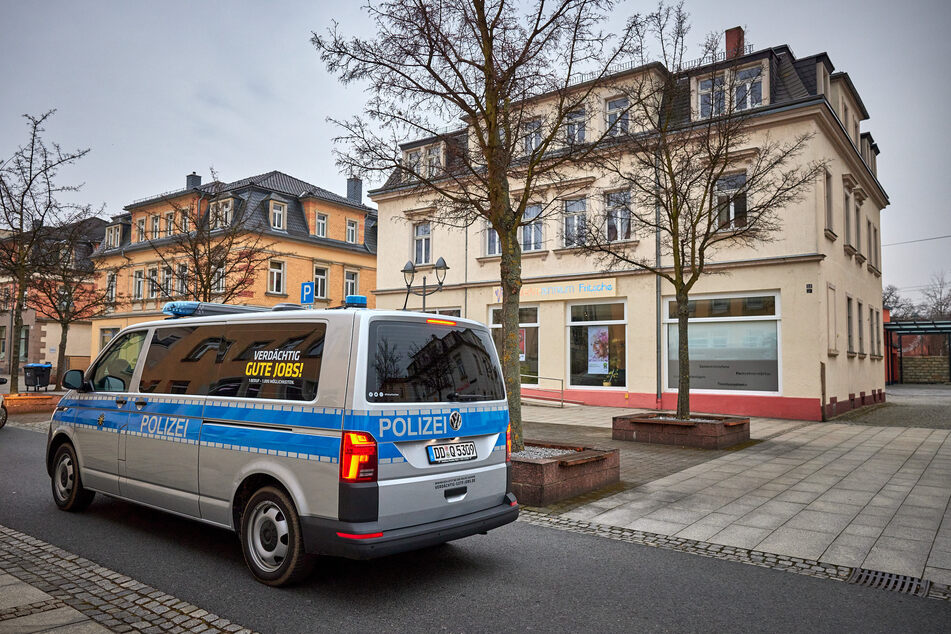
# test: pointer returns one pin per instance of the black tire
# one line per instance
(271, 539)
(66, 483)
(3, 416)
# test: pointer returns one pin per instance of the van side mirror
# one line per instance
(73, 379)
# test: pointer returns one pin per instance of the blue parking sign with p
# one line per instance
(307, 293)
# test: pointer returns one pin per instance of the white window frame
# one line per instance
(617, 116)
(830, 214)
(717, 88)
(573, 226)
(850, 323)
(609, 322)
(321, 276)
(278, 216)
(535, 242)
(731, 194)
(347, 281)
(832, 319)
(777, 317)
(181, 278)
(169, 223)
(353, 230)
(168, 278)
(218, 280)
(531, 136)
(185, 221)
(275, 277)
(861, 325)
(575, 126)
(433, 159)
(748, 85)
(320, 225)
(112, 236)
(151, 278)
(140, 230)
(413, 159)
(138, 284)
(111, 281)
(493, 246)
(611, 216)
(422, 243)
(847, 202)
(156, 227)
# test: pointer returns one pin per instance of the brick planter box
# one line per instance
(713, 432)
(30, 403)
(544, 481)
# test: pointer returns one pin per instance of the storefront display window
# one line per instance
(597, 345)
(733, 343)
(527, 340)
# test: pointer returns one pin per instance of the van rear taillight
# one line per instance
(357, 457)
(508, 443)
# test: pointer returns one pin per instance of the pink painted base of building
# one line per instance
(729, 404)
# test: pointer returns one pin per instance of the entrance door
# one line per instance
(101, 414)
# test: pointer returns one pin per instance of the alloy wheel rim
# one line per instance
(268, 536)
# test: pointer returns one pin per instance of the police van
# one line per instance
(347, 432)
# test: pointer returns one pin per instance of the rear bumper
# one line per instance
(320, 534)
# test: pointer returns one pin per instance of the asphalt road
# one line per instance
(516, 578)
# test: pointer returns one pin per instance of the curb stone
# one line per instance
(808, 567)
(109, 598)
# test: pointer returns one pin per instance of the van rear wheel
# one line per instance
(68, 491)
(271, 539)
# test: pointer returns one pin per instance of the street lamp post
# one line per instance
(409, 272)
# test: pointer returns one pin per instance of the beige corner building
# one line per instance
(791, 328)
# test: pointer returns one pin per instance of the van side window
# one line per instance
(276, 361)
(182, 360)
(114, 371)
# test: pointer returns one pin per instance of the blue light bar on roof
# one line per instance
(180, 309)
(355, 301)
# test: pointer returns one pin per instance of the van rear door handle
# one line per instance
(121, 400)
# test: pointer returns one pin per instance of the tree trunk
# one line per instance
(511, 277)
(15, 341)
(683, 356)
(61, 355)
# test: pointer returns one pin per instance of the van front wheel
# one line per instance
(271, 539)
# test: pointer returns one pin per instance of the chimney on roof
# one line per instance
(355, 190)
(192, 181)
(735, 45)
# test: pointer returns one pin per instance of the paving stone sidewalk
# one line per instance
(46, 589)
(850, 495)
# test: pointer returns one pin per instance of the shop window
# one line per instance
(527, 340)
(597, 345)
(733, 343)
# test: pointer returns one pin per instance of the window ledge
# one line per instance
(270, 294)
(874, 269)
(831, 235)
(850, 354)
(849, 249)
(833, 353)
(876, 357)
(429, 266)
(488, 258)
(564, 250)
(859, 258)
(633, 242)
(862, 355)
(540, 253)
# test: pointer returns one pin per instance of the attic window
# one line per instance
(712, 97)
(413, 161)
(352, 231)
(278, 216)
(113, 234)
(749, 88)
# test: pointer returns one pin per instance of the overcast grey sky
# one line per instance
(159, 89)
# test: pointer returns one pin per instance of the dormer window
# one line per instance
(413, 161)
(749, 88)
(113, 235)
(278, 216)
(433, 160)
(617, 115)
(221, 214)
(712, 97)
(352, 226)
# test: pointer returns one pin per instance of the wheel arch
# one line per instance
(256, 476)
(60, 438)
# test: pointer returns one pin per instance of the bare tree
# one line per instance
(937, 298)
(900, 307)
(690, 176)
(68, 286)
(522, 77)
(214, 248)
(29, 201)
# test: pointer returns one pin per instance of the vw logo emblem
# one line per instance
(455, 420)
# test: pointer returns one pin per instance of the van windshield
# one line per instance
(418, 362)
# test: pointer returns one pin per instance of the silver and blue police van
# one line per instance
(345, 432)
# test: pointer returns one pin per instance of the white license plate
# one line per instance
(452, 452)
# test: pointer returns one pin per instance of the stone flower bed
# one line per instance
(706, 431)
(546, 473)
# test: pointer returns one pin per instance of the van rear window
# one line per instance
(417, 362)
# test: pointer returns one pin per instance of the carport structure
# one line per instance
(918, 351)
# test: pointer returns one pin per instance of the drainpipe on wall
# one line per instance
(465, 278)
(657, 298)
